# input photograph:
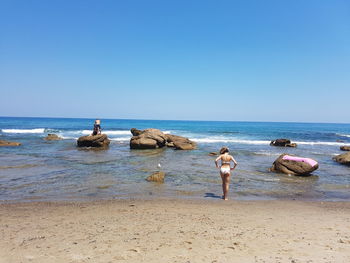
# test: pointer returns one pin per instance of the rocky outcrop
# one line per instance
(345, 148)
(154, 138)
(98, 141)
(147, 139)
(156, 177)
(294, 165)
(213, 154)
(283, 143)
(180, 143)
(7, 143)
(52, 137)
(343, 158)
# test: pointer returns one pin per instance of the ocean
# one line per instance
(40, 170)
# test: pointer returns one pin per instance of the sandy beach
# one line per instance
(175, 231)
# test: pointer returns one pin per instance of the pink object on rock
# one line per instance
(300, 159)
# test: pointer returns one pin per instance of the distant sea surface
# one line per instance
(40, 170)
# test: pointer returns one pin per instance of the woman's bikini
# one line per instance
(225, 170)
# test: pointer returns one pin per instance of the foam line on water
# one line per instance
(226, 140)
(343, 135)
(108, 132)
(260, 142)
(321, 143)
(37, 130)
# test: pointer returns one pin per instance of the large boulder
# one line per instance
(180, 143)
(52, 137)
(7, 143)
(154, 138)
(98, 141)
(345, 148)
(294, 165)
(343, 158)
(135, 132)
(156, 177)
(147, 139)
(283, 143)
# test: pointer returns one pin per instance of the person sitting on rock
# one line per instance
(97, 127)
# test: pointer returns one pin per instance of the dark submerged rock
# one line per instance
(7, 143)
(283, 143)
(98, 141)
(292, 167)
(343, 158)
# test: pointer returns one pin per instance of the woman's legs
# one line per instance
(225, 183)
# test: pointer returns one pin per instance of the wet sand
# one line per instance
(175, 231)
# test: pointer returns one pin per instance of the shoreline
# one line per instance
(175, 230)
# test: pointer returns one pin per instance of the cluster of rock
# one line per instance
(293, 167)
(343, 158)
(96, 141)
(154, 138)
(283, 143)
(7, 143)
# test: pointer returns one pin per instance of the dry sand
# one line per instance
(175, 231)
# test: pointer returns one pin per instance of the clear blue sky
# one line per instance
(197, 60)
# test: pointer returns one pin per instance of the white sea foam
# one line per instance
(267, 153)
(87, 132)
(120, 139)
(258, 142)
(38, 130)
(227, 140)
(343, 135)
(321, 143)
(117, 132)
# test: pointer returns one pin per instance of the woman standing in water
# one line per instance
(225, 169)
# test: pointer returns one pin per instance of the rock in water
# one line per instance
(154, 138)
(343, 158)
(156, 177)
(147, 139)
(98, 141)
(345, 148)
(294, 165)
(135, 132)
(7, 143)
(283, 143)
(52, 137)
(180, 143)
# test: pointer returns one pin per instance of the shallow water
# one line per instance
(58, 170)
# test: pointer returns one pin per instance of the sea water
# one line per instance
(58, 170)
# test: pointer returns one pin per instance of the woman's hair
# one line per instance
(224, 150)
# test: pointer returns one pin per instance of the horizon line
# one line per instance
(45, 117)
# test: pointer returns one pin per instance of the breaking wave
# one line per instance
(38, 130)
